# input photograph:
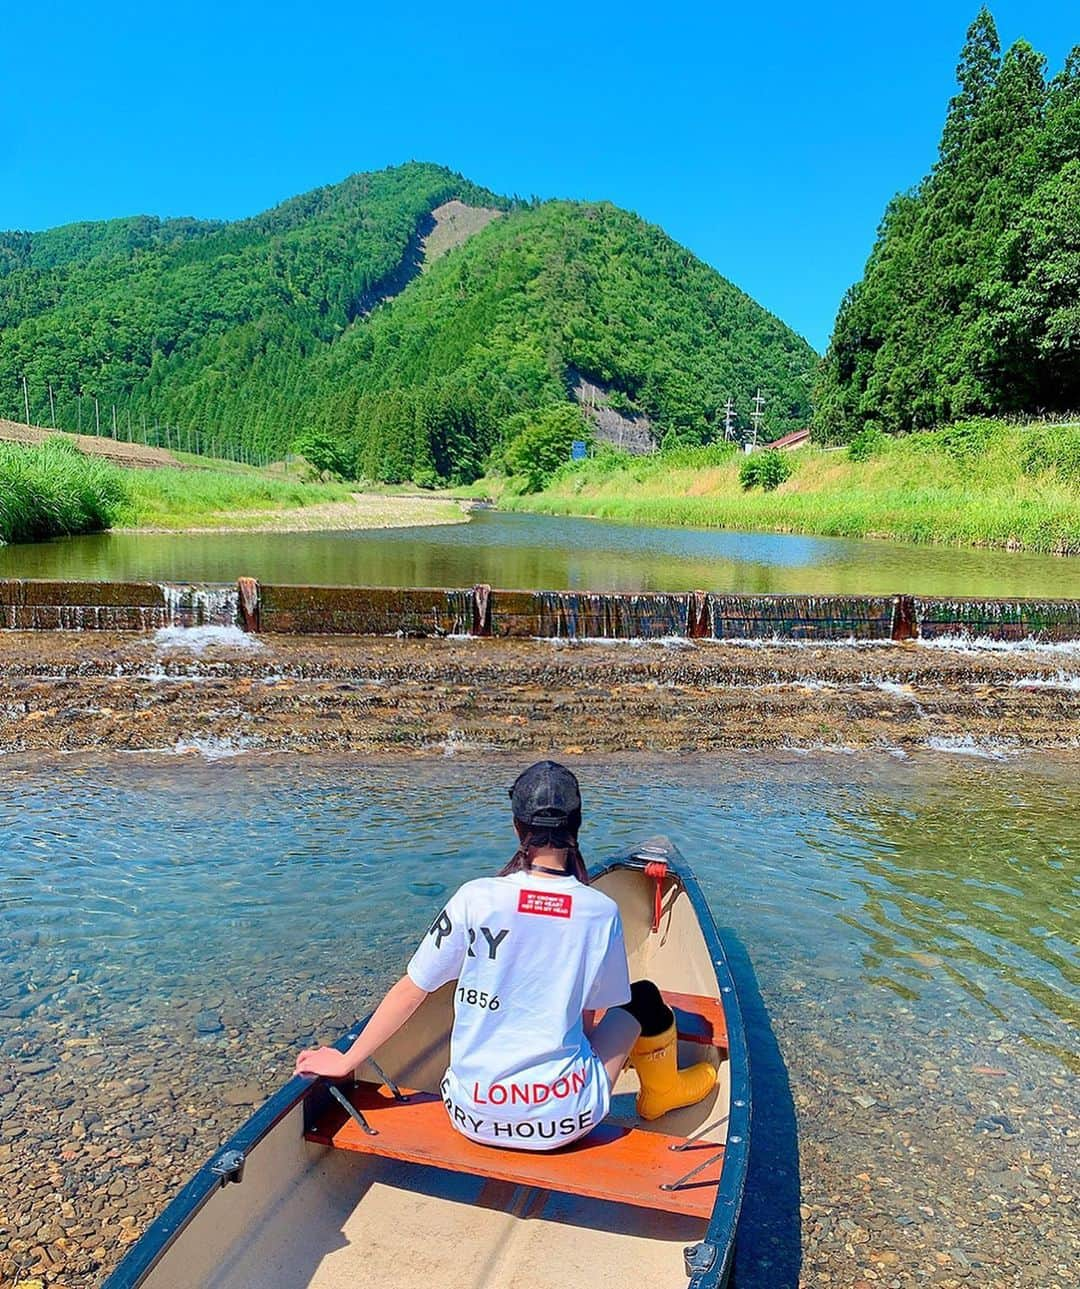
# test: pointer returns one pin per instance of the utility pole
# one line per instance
(114, 433)
(729, 420)
(757, 414)
(52, 407)
(97, 418)
(26, 401)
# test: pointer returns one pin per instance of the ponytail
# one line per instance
(561, 838)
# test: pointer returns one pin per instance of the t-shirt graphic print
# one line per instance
(529, 955)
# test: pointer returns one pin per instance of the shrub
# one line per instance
(1054, 447)
(769, 469)
(965, 440)
(868, 443)
(325, 454)
(540, 442)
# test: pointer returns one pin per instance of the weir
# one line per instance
(802, 617)
(584, 615)
(31, 605)
(999, 619)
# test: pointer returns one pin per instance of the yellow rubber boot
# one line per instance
(664, 1086)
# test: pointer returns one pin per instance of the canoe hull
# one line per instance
(308, 1214)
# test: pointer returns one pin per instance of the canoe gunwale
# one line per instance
(714, 1250)
(717, 1246)
(153, 1244)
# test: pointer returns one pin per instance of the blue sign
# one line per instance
(579, 450)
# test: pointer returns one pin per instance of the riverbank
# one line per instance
(216, 692)
(340, 513)
(51, 489)
(1013, 487)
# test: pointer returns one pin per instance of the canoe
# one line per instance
(365, 1183)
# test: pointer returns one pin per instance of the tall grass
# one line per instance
(53, 490)
(981, 483)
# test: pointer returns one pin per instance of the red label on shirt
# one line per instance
(551, 903)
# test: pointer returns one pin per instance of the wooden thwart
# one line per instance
(616, 1163)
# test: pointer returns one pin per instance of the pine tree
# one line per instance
(976, 73)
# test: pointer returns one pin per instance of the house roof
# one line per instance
(789, 440)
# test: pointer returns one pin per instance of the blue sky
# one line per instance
(766, 137)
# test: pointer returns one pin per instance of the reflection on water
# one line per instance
(536, 552)
(949, 883)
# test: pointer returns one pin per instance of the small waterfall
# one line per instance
(1042, 620)
(584, 615)
(800, 617)
(191, 605)
(654, 616)
(459, 614)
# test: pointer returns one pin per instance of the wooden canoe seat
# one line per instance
(616, 1161)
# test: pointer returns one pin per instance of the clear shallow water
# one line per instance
(930, 892)
(535, 552)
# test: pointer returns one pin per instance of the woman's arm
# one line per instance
(395, 1009)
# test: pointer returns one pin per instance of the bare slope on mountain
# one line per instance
(445, 227)
(452, 224)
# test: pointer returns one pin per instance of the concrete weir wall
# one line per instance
(27, 605)
(481, 611)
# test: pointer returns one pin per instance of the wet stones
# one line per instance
(244, 1094)
(436, 698)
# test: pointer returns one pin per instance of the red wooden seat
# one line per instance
(615, 1162)
(699, 1019)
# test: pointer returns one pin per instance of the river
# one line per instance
(534, 552)
(911, 925)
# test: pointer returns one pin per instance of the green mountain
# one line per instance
(417, 319)
(970, 302)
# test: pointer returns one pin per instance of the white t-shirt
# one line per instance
(529, 954)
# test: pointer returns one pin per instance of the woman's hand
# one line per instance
(327, 1061)
(395, 1009)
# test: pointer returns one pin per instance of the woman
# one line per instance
(545, 1016)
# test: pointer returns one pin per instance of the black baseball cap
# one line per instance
(546, 795)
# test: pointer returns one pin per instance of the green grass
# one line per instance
(179, 498)
(981, 483)
(52, 490)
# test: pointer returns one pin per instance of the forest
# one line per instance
(970, 301)
(245, 339)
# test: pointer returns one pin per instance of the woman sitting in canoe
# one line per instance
(545, 1016)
